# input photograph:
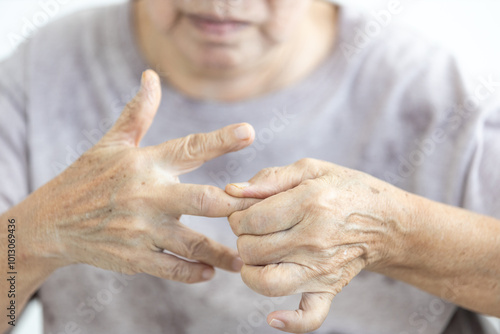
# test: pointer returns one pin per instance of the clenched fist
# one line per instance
(318, 226)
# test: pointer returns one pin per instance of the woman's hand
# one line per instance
(118, 206)
(318, 227)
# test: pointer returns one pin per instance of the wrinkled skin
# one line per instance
(118, 206)
(319, 225)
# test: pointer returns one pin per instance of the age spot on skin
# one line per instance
(375, 191)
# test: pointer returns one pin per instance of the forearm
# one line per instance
(24, 268)
(451, 253)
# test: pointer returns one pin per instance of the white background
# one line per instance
(470, 28)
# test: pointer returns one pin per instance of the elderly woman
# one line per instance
(391, 181)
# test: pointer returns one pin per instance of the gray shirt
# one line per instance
(395, 108)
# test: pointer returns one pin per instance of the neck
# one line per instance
(284, 65)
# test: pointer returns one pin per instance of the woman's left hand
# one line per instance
(318, 226)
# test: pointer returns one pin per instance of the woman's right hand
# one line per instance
(118, 206)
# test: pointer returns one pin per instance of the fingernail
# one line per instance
(243, 132)
(207, 274)
(241, 185)
(237, 264)
(277, 323)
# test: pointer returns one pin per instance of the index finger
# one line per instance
(202, 200)
(185, 154)
(276, 213)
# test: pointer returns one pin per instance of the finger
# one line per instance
(274, 280)
(278, 213)
(317, 274)
(271, 181)
(312, 312)
(202, 200)
(272, 249)
(188, 153)
(138, 115)
(192, 245)
(296, 246)
(173, 268)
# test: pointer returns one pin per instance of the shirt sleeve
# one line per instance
(461, 147)
(482, 186)
(472, 129)
(474, 126)
(13, 135)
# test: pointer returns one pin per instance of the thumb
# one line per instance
(138, 114)
(272, 181)
(312, 312)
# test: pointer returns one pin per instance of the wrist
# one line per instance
(400, 220)
(38, 242)
(32, 268)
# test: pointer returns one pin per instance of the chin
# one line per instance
(219, 60)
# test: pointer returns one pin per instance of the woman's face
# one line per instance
(226, 34)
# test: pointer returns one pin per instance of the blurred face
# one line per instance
(225, 34)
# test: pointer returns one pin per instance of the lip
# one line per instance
(211, 25)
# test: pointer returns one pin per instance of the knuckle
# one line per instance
(318, 244)
(268, 172)
(308, 205)
(265, 281)
(179, 272)
(201, 202)
(310, 183)
(197, 247)
(194, 146)
(235, 223)
(218, 139)
(269, 286)
(330, 254)
(323, 246)
(304, 162)
(310, 168)
(319, 201)
(205, 201)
